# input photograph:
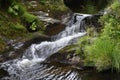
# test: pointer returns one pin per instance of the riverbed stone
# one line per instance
(68, 58)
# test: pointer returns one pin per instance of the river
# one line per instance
(33, 65)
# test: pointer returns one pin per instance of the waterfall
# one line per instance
(37, 53)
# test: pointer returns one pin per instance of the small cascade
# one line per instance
(37, 53)
(75, 26)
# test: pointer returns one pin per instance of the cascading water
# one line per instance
(30, 66)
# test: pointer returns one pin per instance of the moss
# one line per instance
(29, 17)
(17, 27)
(13, 26)
(11, 30)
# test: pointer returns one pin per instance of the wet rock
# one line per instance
(12, 55)
(53, 29)
(38, 38)
(68, 58)
(3, 73)
(40, 13)
(75, 58)
(1, 58)
(48, 19)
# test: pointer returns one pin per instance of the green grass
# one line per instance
(116, 57)
(103, 52)
(99, 54)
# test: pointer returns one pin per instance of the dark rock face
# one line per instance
(81, 5)
(74, 3)
(3, 73)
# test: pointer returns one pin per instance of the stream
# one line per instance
(33, 65)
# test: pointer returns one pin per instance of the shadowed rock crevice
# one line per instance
(86, 6)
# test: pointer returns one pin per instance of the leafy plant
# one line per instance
(99, 53)
(103, 52)
(116, 57)
(116, 8)
(111, 21)
(18, 27)
(13, 11)
(111, 26)
(33, 26)
(29, 17)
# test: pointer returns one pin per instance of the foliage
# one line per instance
(13, 10)
(42, 1)
(33, 26)
(99, 53)
(48, 5)
(14, 20)
(12, 30)
(17, 9)
(116, 8)
(104, 51)
(111, 26)
(29, 17)
(116, 57)
(56, 5)
(90, 8)
(111, 21)
(85, 41)
(31, 21)
(81, 45)
(18, 27)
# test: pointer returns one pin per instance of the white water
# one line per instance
(39, 52)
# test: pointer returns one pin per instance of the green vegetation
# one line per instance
(90, 8)
(29, 17)
(16, 22)
(99, 54)
(53, 7)
(103, 51)
(56, 5)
